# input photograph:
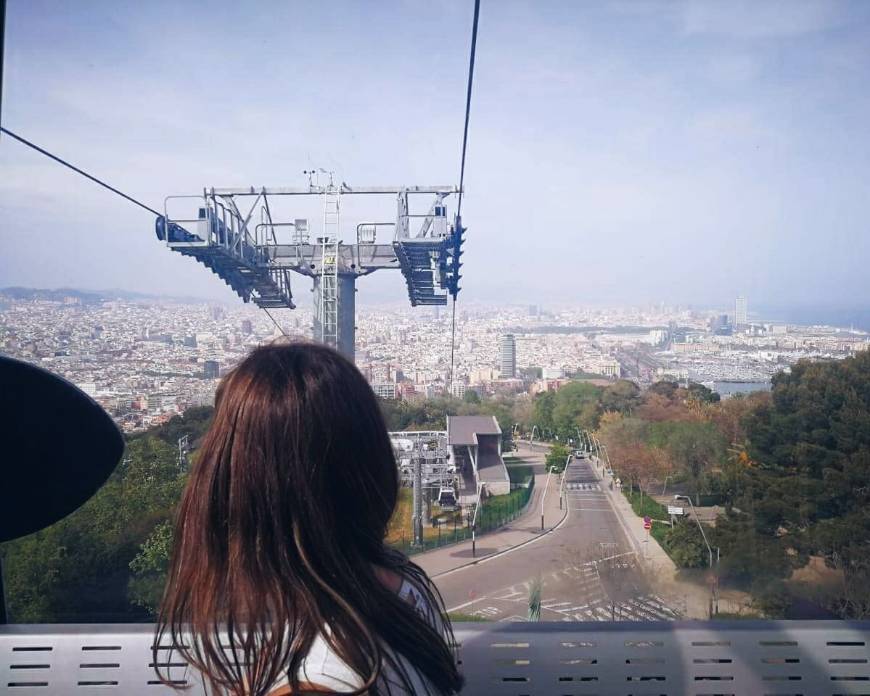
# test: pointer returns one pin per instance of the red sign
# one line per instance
(647, 523)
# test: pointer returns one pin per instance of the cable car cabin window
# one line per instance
(609, 289)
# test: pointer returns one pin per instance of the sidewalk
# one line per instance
(648, 550)
(523, 529)
(661, 571)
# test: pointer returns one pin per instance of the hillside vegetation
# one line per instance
(790, 470)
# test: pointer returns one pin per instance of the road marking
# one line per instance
(603, 613)
(579, 607)
(660, 610)
(506, 551)
(509, 595)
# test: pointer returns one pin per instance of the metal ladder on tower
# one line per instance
(329, 268)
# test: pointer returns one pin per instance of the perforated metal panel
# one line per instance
(624, 659)
(661, 658)
(83, 660)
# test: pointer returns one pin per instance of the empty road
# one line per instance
(576, 585)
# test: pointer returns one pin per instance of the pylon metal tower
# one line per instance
(256, 259)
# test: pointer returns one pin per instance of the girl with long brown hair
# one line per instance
(280, 580)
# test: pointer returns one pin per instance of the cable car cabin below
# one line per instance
(447, 498)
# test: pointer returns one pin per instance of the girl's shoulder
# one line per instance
(409, 588)
(418, 601)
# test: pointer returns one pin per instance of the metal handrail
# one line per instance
(544, 658)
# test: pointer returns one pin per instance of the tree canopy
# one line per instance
(791, 469)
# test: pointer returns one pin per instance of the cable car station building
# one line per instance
(475, 448)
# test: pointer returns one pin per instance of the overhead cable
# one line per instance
(468, 103)
(102, 183)
(275, 322)
(62, 161)
(462, 173)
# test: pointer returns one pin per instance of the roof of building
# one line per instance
(463, 430)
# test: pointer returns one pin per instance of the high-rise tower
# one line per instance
(508, 356)
(740, 311)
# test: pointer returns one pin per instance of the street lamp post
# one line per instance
(700, 526)
(607, 457)
(474, 521)
(562, 480)
(544, 496)
(715, 581)
(547, 486)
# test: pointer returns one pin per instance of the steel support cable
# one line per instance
(468, 103)
(77, 170)
(275, 322)
(462, 172)
(62, 161)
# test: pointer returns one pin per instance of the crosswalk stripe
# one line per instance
(638, 608)
(579, 607)
(659, 610)
(602, 613)
(509, 595)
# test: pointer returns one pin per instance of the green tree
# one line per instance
(622, 396)
(193, 423)
(471, 397)
(703, 394)
(150, 567)
(78, 569)
(542, 416)
(664, 388)
(811, 486)
(576, 405)
(557, 457)
(693, 446)
(686, 546)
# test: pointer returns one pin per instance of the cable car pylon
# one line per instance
(256, 258)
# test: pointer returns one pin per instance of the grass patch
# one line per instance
(644, 506)
(519, 473)
(682, 543)
(494, 513)
(399, 530)
(461, 616)
(499, 509)
(659, 532)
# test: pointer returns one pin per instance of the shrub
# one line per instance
(772, 598)
(685, 546)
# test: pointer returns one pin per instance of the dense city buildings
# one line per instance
(147, 359)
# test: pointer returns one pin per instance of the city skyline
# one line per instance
(146, 360)
(843, 315)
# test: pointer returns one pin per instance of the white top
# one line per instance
(323, 667)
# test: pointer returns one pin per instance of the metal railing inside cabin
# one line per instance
(740, 658)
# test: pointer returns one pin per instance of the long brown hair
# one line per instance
(280, 529)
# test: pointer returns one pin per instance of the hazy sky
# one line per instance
(618, 152)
